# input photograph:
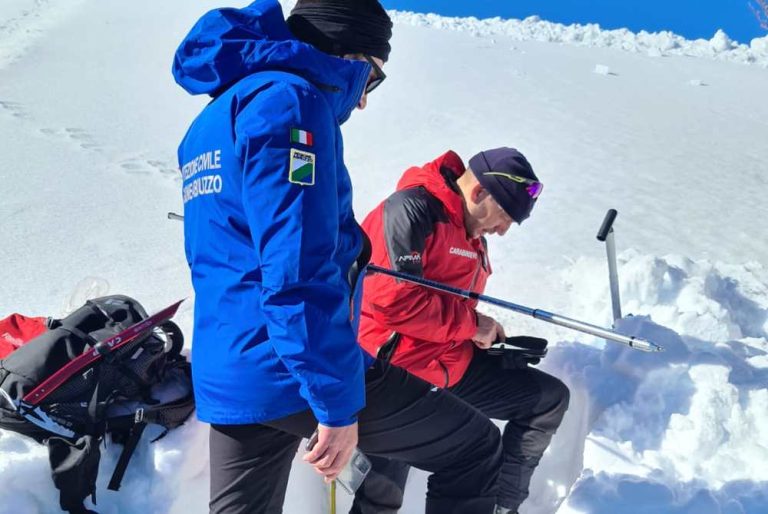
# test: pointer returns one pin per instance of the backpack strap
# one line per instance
(97, 406)
(96, 307)
(3, 373)
(168, 416)
(129, 446)
(90, 340)
(63, 324)
(141, 418)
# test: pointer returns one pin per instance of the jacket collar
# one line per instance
(439, 179)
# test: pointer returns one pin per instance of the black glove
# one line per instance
(519, 351)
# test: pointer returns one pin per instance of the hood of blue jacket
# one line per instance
(228, 44)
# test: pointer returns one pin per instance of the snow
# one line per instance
(89, 123)
(655, 44)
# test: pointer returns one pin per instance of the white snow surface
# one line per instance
(653, 44)
(89, 123)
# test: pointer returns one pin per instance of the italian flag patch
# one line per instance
(301, 136)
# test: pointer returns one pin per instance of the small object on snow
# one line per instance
(602, 69)
(696, 82)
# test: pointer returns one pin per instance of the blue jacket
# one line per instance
(269, 229)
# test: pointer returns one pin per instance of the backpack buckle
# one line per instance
(139, 416)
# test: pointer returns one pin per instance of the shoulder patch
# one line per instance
(302, 137)
(301, 168)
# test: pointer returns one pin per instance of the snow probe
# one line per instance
(606, 234)
(607, 334)
(631, 341)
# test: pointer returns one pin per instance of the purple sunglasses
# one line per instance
(533, 187)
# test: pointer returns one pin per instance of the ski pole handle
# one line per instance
(607, 225)
(605, 234)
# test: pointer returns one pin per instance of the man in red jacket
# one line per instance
(433, 226)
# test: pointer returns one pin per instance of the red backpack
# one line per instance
(17, 329)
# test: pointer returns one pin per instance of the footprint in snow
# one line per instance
(135, 167)
(165, 168)
(146, 167)
(14, 109)
(81, 136)
(78, 136)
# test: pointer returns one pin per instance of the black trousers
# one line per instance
(404, 419)
(532, 402)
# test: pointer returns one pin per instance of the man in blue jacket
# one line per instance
(270, 238)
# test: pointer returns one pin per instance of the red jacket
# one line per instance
(420, 230)
(17, 329)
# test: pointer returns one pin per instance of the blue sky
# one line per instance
(690, 18)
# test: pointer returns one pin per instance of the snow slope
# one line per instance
(90, 119)
(656, 44)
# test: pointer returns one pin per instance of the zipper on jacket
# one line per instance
(480, 264)
(474, 277)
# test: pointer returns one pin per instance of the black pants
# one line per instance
(404, 419)
(532, 402)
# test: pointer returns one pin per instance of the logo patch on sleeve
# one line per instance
(302, 137)
(301, 169)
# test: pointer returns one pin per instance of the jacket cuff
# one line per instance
(338, 423)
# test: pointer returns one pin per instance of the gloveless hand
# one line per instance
(488, 331)
(333, 450)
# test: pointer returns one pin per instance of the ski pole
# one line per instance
(631, 341)
(174, 216)
(333, 497)
(606, 234)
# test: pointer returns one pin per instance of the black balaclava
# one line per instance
(339, 27)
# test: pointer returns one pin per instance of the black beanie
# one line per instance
(339, 27)
(499, 171)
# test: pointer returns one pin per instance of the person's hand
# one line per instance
(488, 332)
(332, 451)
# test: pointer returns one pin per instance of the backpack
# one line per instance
(106, 368)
